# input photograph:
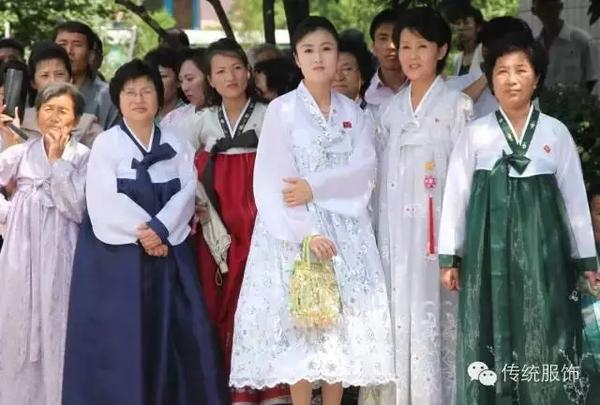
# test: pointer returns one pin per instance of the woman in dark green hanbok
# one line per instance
(516, 232)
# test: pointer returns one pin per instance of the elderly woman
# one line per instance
(42, 221)
(354, 70)
(515, 235)
(138, 332)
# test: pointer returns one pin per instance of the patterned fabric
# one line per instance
(268, 347)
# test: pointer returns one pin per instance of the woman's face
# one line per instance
(57, 116)
(138, 100)
(467, 30)
(514, 80)
(317, 56)
(347, 79)
(595, 209)
(50, 71)
(418, 56)
(229, 76)
(192, 83)
(169, 80)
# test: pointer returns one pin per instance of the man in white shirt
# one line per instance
(572, 53)
(388, 79)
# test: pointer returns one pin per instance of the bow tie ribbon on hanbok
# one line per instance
(499, 232)
(158, 153)
(41, 196)
(247, 139)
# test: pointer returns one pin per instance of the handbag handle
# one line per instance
(306, 248)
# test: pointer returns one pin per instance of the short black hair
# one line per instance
(41, 51)
(134, 70)
(429, 24)
(59, 89)
(387, 16)
(515, 42)
(13, 44)
(195, 55)
(165, 57)
(464, 11)
(495, 29)
(79, 28)
(227, 47)
(357, 48)
(311, 24)
(176, 38)
(282, 74)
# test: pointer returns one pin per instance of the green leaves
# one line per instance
(580, 112)
(33, 20)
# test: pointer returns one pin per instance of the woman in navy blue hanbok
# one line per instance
(138, 332)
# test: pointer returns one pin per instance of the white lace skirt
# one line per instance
(269, 349)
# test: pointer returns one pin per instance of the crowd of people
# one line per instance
(150, 225)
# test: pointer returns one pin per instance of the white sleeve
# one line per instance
(347, 189)
(175, 216)
(464, 114)
(9, 163)
(572, 188)
(114, 216)
(274, 162)
(456, 198)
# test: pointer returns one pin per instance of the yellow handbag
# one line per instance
(314, 294)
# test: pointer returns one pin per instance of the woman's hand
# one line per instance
(57, 139)
(201, 216)
(297, 192)
(593, 278)
(450, 278)
(148, 238)
(160, 251)
(9, 138)
(323, 248)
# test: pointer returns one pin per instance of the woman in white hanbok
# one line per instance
(42, 222)
(420, 125)
(314, 174)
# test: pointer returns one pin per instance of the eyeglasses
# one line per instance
(347, 70)
(132, 94)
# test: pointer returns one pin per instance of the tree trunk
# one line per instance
(295, 11)
(269, 21)
(222, 18)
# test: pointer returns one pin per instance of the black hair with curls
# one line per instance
(358, 49)
(42, 51)
(515, 42)
(134, 70)
(429, 24)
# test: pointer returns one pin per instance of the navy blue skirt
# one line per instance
(138, 331)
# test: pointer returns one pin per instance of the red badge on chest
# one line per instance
(347, 124)
(547, 149)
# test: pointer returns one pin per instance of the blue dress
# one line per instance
(138, 331)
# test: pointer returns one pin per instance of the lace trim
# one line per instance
(265, 383)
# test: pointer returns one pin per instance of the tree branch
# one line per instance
(222, 18)
(269, 21)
